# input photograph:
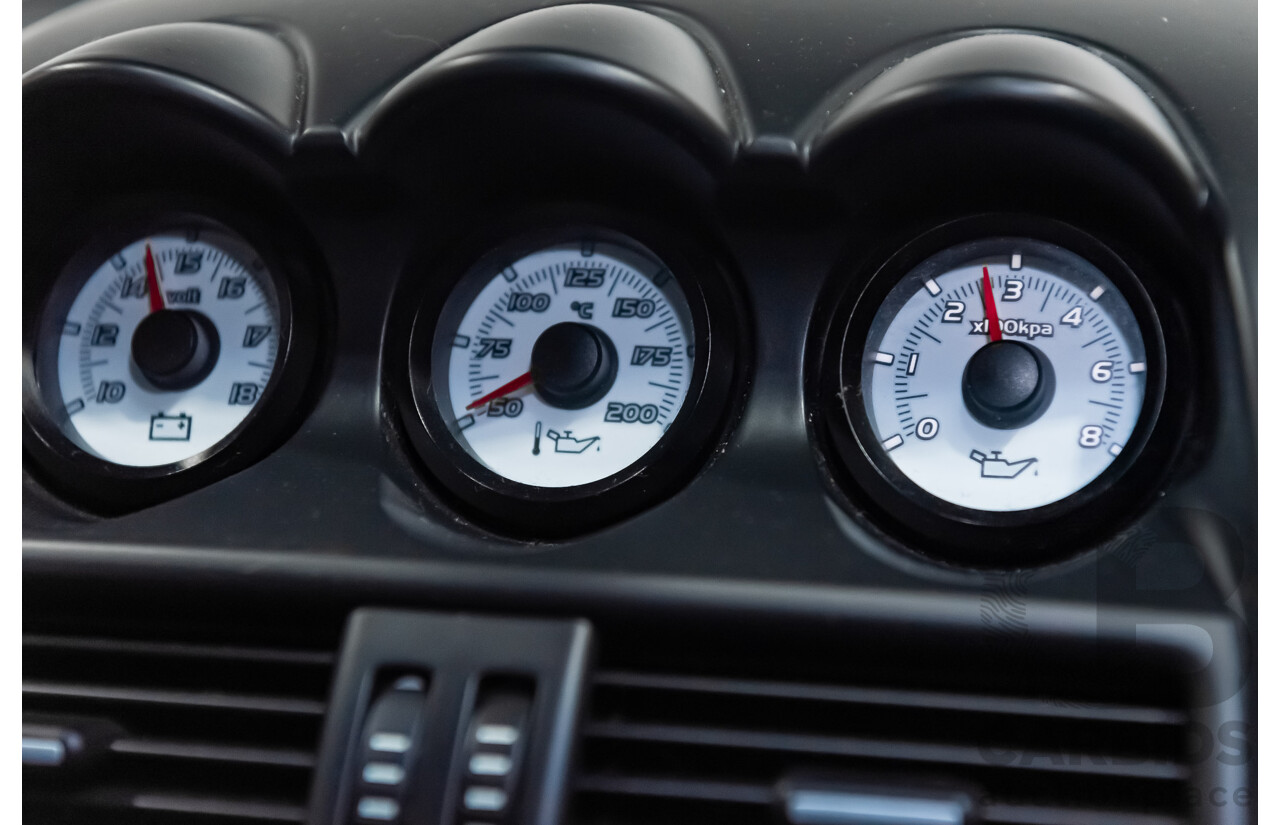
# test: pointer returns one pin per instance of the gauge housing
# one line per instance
(525, 511)
(61, 461)
(872, 483)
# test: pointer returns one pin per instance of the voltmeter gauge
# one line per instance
(166, 349)
(1000, 381)
(155, 350)
(564, 367)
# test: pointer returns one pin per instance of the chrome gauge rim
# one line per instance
(498, 328)
(216, 292)
(152, 440)
(1010, 418)
(874, 413)
(544, 468)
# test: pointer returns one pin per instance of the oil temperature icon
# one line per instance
(564, 442)
(993, 466)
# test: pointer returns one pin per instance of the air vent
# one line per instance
(172, 732)
(673, 748)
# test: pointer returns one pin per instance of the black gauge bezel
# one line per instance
(52, 281)
(872, 484)
(534, 513)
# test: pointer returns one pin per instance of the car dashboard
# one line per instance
(626, 413)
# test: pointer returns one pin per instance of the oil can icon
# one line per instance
(566, 443)
(993, 466)
(171, 427)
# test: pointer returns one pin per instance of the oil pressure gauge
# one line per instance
(999, 382)
(156, 349)
(569, 376)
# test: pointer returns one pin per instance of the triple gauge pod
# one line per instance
(984, 390)
(989, 385)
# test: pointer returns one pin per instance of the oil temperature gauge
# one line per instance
(1000, 382)
(566, 367)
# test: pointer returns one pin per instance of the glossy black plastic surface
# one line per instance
(800, 147)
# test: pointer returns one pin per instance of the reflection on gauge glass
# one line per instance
(1003, 375)
(566, 365)
(165, 348)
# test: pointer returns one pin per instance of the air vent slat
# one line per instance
(668, 747)
(995, 813)
(737, 792)
(262, 704)
(879, 749)
(265, 811)
(175, 650)
(886, 697)
(174, 733)
(216, 753)
(116, 802)
(1004, 814)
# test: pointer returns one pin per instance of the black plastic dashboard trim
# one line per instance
(199, 72)
(630, 54)
(1021, 69)
(326, 542)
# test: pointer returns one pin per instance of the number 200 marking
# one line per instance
(619, 413)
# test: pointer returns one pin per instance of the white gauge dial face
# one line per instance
(619, 315)
(125, 411)
(1009, 425)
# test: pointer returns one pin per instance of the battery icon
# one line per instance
(171, 427)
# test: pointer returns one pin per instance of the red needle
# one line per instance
(989, 302)
(153, 282)
(506, 389)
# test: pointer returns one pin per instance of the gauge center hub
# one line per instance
(573, 365)
(175, 349)
(1007, 384)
